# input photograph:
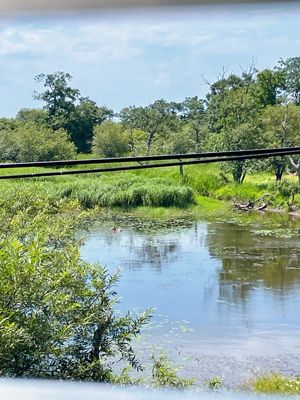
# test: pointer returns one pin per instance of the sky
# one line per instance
(133, 58)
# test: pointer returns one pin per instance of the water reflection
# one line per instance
(250, 261)
(227, 280)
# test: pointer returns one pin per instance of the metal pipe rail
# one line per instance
(160, 157)
(241, 155)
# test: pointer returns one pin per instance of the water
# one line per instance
(225, 294)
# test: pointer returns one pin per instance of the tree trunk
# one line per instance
(278, 175)
(296, 166)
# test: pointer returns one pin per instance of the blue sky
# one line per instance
(121, 59)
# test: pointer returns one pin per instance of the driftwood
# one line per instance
(263, 206)
(292, 207)
(250, 206)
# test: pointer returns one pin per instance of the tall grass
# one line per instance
(164, 187)
(127, 191)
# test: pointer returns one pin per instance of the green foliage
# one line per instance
(244, 136)
(268, 86)
(128, 191)
(57, 316)
(193, 113)
(245, 192)
(58, 96)
(291, 72)
(34, 116)
(29, 142)
(231, 102)
(214, 383)
(7, 125)
(285, 188)
(110, 140)
(158, 118)
(205, 180)
(164, 374)
(281, 126)
(277, 384)
(82, 121)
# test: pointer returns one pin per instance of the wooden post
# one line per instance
(181, 169)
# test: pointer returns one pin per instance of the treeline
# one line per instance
(251, 110)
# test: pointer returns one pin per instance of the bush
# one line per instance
(286, 188)
(110, 140)
(57, 315)
(32, 143)
(164, 374)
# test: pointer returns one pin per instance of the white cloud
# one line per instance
(119, 60)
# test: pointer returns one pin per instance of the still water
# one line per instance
(218, 288)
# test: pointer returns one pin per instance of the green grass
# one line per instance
(203, 190)
(278, 384)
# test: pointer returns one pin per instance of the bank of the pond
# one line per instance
(202, 188)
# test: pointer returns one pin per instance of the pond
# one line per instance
(226, 296)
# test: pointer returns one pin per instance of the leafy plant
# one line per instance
(164, 374)
(215, 383)
(57, 316)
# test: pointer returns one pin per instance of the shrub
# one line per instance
(164, 374)
(110, 140)
(32, 143)
(57, 315)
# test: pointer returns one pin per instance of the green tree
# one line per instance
(244, 136)
(291, 72)
(269, 85)
(82, 120)
(33, 143)
(193, 113)
(58, 96)
(110, 140)
(226, 102)
(7, 125)
(281, 127)
(156, 119)
(8, 149)
(32, 115)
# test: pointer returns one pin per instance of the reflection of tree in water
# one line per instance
(146, 249)
(249, 261)
(156, 252)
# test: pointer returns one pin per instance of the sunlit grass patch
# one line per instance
(127, 191)
(277, 384)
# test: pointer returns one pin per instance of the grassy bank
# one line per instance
(160, 192)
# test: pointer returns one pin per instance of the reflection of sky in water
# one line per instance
(225, 279)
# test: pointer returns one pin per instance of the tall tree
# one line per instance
(82, 121)
(59, 97)
(228, 102)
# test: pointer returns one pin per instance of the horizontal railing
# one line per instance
(181, 160)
